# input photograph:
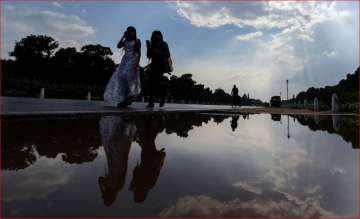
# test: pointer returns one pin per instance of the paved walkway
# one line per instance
(23, 106)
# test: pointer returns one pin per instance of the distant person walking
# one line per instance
(235, 96)
(159, 54)
(124, 84)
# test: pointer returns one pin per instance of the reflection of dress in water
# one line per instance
(116, 137)
(147, 172)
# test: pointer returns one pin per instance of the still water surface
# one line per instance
(181, 165)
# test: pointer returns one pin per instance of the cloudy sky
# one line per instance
(255, 45)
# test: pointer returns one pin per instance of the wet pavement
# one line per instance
(181, 165)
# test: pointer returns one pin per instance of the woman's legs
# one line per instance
(161, 91)
(156, 84)
(154, 89)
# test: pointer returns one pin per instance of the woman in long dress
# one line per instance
(124, 84)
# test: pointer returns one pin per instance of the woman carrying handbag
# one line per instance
(159, 54)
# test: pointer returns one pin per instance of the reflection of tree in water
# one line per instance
(15, 158)
(219, 118)
(246, 116)
(77, 141)
(276, 117)
(345, 126)
(181, 125)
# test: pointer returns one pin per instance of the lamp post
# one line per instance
(287, 89)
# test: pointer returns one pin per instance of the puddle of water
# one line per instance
(181, 165)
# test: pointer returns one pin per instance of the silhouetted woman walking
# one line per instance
(159, 53)
(124, 84)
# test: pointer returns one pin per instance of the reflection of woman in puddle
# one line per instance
(234, 122)
(147, 172)
(116, 137)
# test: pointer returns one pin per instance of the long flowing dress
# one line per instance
(125, 81)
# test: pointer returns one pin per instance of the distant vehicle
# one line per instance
(275, 101)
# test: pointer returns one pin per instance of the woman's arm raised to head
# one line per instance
(121, 43)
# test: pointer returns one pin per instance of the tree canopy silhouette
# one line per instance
(33, 55)
(69, 73)
(33, 46)
(347, 89)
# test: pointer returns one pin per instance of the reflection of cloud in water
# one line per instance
(248, 187)
(302, 171)
(207, 206)
(312, 189)
(284, 168)
(256, 170)
(36, 182)
(245, 137)
(285, 171)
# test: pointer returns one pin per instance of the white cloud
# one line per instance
(249, 36)
(68, 29)
(283, 30)
(57, 4)
(288, 21)
(211, 19)
(289, 16)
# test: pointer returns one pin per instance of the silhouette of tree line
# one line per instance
(345, 126)
(38, 62)
(347, 90)
(26, 138)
